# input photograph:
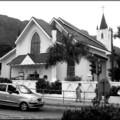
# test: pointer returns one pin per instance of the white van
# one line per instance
(19, 96)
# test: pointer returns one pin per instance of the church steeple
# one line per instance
(103, 24)
(104, 34)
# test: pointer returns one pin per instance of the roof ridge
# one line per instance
(43, 24)
(78, 30)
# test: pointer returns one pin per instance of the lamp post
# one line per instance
(99, 68)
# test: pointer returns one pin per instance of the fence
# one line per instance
(62, 97)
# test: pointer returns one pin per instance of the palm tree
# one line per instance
(68, 50)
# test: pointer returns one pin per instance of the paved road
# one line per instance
(47, 112)
(52, 110)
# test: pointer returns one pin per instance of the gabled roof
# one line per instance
(103, 24)
(8, 54)
(17, 60)
(44, 26)
(80, 34)
(41, 58)
(37, 59)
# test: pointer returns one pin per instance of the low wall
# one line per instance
(29, 83)
(69, 88)
(87, 87)
(115, 83)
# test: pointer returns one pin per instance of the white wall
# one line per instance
(5, 71)
(61, 71)
(107, 38)
(83, 69)
(30, 70)
(24, 44)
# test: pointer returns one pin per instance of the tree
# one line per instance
(116, 71)
(115, 57)
(67, 50)
(117, 35)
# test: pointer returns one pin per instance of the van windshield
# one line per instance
(24, 89)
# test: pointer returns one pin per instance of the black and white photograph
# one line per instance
(60, 60)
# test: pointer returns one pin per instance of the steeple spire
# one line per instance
(103, 24)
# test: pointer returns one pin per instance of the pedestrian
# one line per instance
(45, 77)
(96, 92)
(78, 93)
(96, 101)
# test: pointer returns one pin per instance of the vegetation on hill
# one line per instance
(10, 29)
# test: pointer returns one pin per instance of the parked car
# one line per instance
(19, 96)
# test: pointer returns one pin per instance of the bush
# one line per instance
(5, 80)
(56, 87)
(43, 86)
(93, 113)
(74, 78)
(114, 90)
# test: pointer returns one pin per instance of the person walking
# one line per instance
(78, 93)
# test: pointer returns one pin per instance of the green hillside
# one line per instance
(10, 28)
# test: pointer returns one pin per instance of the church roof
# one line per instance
(80, 35)
(46, 26)
(37, 59)
(103, 24)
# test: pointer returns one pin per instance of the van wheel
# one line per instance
(23, 106)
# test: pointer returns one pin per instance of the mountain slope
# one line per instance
(10, 28)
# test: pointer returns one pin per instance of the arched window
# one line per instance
(35, 44)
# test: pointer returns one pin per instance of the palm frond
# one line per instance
(68, 51)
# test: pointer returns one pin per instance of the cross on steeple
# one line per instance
(103, 9)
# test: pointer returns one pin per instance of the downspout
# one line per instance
(10, 72)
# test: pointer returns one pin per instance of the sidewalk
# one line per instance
(59, 102)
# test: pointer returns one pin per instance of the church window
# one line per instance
(102, 35)
(70, 70)
(35, 44)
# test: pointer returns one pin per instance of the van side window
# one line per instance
(11, 88)
(3, 87)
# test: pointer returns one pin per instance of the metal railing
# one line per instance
(65, 96)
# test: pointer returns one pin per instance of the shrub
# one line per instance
(5, 80)
(56, 87)
(74, 78)
(43, 86)
(93, 113)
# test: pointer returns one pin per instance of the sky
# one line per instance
(85, 15)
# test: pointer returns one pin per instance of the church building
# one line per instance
(28, 59)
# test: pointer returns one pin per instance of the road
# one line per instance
(47, 112)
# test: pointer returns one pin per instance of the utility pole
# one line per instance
(112, 56)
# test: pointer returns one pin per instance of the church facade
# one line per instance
(28, 59)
